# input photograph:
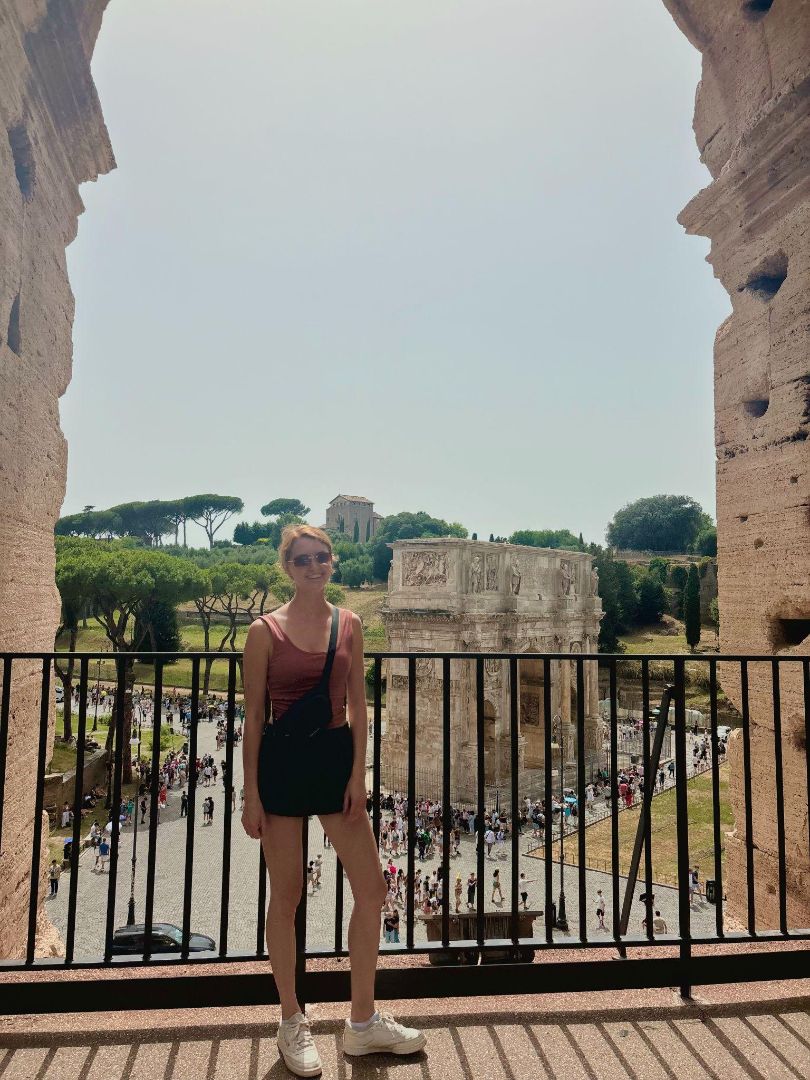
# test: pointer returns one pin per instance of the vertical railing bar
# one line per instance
(225, 891)
(614, 802)
(338, 905)
(301, 920)
(410, 911)
(747, 794)
(377, 750)
(261, 904)
(70, 937)
(682, 828)
(582, 901)
(779, 792)
(806, 688)
(479, 811)
(718, 851)
(188, 880)
(649, 788)
(5, 712)
(514, 692)
(151, 857)
(446, 815)
(39, 802)
(118, 767)
(549, 920)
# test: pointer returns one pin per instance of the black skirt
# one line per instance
(299, 777)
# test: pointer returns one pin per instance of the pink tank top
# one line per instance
(293, 671)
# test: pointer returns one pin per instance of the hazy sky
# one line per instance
(424, 252)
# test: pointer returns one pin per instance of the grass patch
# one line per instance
(663, 819)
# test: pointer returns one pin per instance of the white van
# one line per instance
(60, 693)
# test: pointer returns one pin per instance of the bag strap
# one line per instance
(323, 685)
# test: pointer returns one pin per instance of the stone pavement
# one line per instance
(616, 1038)
(242, 908)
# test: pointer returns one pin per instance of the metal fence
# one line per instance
(676, 964)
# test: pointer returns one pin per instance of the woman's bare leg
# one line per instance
(283, 855)
(354, 844)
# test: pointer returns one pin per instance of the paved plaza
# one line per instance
(244, 880)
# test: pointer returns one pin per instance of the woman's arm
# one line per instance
(354, 802)
(258, 650)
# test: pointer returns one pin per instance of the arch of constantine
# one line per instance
(452, 595)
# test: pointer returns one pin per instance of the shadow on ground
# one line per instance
(767, 1040)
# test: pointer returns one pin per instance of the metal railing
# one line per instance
(676, 965)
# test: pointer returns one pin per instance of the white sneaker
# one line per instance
(384, 1036)
(297, 1048)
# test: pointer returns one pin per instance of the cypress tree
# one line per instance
(691, 607)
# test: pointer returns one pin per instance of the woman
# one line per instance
(496, 886)
(284, 658)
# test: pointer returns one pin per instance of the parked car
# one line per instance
(166, 938)
(60, 694)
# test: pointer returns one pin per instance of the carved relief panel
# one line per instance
(424, 568)
(492, 573)
(530, 709)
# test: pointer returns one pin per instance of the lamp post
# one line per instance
(131, 907)
(562, 921)
(98, 681)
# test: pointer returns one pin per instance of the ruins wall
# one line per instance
(53, 139)
(752, 125)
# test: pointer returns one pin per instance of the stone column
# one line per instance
(752, 123)
(52, 139)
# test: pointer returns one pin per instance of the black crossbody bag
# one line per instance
(312, 712)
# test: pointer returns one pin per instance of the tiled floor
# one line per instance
(622, 1040)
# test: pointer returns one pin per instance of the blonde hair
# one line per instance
(291, 533)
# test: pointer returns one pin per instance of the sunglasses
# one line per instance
(321, 558)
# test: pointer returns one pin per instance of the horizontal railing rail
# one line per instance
(463, 721)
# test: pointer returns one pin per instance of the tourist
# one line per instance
(308, 760)
(103, 853)
(183, 804)
(388, 923)
(54, 872)
(600, 910)
(496, 885)
(393, 923)
(659, 926)
(694, 884)
(489, 840)
(523, 881)
(457, 890)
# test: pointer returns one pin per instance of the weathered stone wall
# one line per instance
(52, 138)
(752, 124)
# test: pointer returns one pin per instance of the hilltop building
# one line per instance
(353, 515)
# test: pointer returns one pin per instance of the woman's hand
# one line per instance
(354, 800)
(253, 816)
